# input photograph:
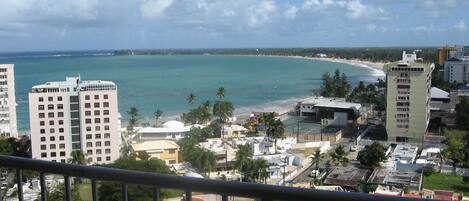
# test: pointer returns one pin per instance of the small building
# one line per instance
(171, 130)
(234, 131)
(397, 175)
(336, 111)
(165, 150)
(348, 177)
(404, 153)
(225, 153)
(429, 156)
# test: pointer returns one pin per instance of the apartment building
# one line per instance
(75, 115)
(7, 101)
(456, 70)
(408, 96)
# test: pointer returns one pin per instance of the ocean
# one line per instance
(252, 83)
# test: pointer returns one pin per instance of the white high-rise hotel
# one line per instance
(7, 101)
(74, 115)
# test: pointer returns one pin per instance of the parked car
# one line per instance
(353, 148)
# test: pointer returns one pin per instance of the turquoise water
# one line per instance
(150, 82)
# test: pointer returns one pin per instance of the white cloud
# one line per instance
(460, 26)
(153, 9)
(371, 27)
(260, 13)
(308, 4)
(357, 10)
(291, 11)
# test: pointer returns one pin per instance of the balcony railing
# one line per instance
(158, 181)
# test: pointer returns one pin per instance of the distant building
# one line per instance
(171, 130)
(7, 101)
(234, 131)
(336, 111)
(165, 150)
(448, 52)
(407, 98)
(398, 175)
(75, 115)
(225, 153)
(456, 70)
(347, 177)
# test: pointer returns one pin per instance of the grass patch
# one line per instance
(439, 181)
(84, 190)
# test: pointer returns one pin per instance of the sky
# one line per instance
(47, 25)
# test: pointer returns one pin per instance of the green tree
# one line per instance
(223, 110)
(58, 193)
(198, 115)
(134, 119)
(462, 114)
(7, 147)
(157, 114)
(317, 158)
(221, 93)
(77, 157)
(243, 156)
(372, 155)
(191, 99)
(276, 130)
(456, 141)
(339, 156)
(441, 158)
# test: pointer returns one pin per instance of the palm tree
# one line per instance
(339, 156)
(191, 98)
(441, 157)
(275, 130)
(158, 113)
(317, 158)
(243, 156)
(133, 121)
(221, 93)
(261, 166)
(77, 157)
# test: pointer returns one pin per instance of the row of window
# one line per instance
(98, 136)
(97, 120)
(53, 154)
(52, 146)
(96, 105)
(97, 128)
(98, 144)
(52, 139)
(98, 151)
(51, 122)
(50, 98)
(50, 107)
(50, 115)
(96, 112)
(51, 130)
(3, 76)
(99, 159)
(96, 97)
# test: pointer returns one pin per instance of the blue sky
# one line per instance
(30, 25)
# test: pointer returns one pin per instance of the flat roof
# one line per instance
(349, 176)
(155, 144)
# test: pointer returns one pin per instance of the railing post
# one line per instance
(188, 196)
(156, 193)
(125, 195)
(19, 184)
(43, 186)
(94, 193)
(224, 197)
(68, 189)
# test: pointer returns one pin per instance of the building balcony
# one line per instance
(224, 189)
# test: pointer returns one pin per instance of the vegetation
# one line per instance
(446, 182)
(191, 99)
(250, 169)
(368, 94)
(158, 113)
(58, 193)
(110, 191)
(77, 157)
(16, 147)
(223, 110)
(199, 115)
(372, 155)
(202, 159)
(462, 114)
(334, 86)
(317, 158)
(134, 117)
(339, 156)
(275, 128)
(458, 142)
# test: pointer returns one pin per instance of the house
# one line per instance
(171, 130)
(225, 153)
(348, 177)
(165, 150)
(234, 131)
(394, 174)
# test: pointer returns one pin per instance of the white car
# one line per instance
(353, 148)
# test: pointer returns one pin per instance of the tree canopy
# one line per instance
(372, 155)
(334, 86)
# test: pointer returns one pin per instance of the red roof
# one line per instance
(411, 196)
(442, 197)
(443, 193)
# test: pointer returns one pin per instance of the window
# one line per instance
(61, 122)
(43, 155)
(59, 98)
(172, 151)
(172, 161)
(98, 144)
(106, 128)
(89, 151)
(52, 138)
(97, 128)
(106, 120)
(62, 160)
(40, 107)
(87, 97)
(98, 151)
(62, 153)
(52, 130)
(43, 139)
(107, 143)
(53, 154)
(107, 135)
(41, 99)
(87, 105)
(105, 96)
(50, 98)
(108, 158)
(42, 115)
(62, 137)
(106, 104)
(97, 120)
(88, 128)
(97, 136)
(42, 131)
(43, 147)
(96, 112)
(107, 151)
(89, 144)
(50, 106)
(105, 112)
(52, 146)
(61, 130)
(62, 146)
(51, 123)
(96, 97)
(42, 123)
(87, 113)
(60, 114)
(50, 115)
(89, 136)
(96, 105)
(88, 121)
(98, 159)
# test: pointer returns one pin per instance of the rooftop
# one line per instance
(439, 93)
(349, 176)
(155, 144)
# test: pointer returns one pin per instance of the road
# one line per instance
(304, 177)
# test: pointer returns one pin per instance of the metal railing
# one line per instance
(158, 181)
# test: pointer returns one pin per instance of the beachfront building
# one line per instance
(331, 111)
(74, 115)
(171, 130)
(7, 101)
(408, 98)
(165, 150)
